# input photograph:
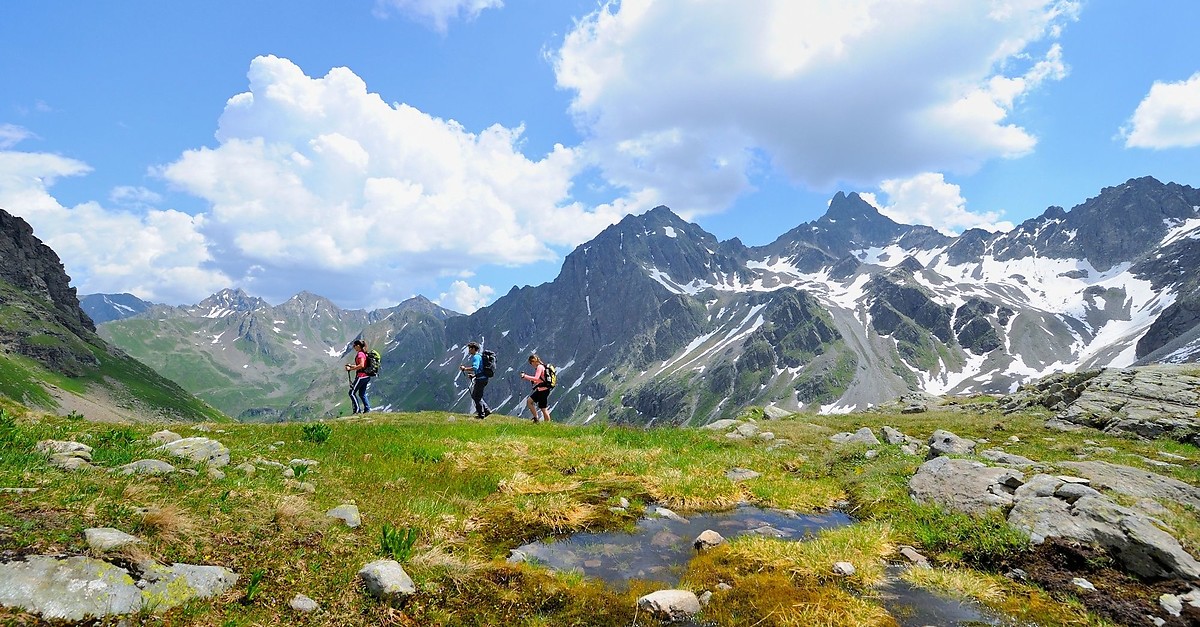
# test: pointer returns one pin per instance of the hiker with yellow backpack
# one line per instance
(365, 366)
(544, 378)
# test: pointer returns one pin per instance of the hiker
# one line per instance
(541, 389)
(361, 380)
(480, 380)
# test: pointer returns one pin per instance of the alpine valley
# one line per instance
(656, 322)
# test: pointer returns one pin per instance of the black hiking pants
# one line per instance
(481, 406)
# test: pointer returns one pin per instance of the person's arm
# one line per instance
(539, 374)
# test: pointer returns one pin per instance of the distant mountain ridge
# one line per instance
(655, 320)
(50, 354)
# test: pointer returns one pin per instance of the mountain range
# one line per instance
(656, 321)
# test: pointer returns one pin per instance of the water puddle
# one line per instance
(660, 548)
(913, 606)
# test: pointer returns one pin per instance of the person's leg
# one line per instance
(544, 405)
(477, 396)
(483, 402)
(365, 382)
(353, 399)
(533, 411)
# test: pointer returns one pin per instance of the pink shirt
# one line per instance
(537, 376)
(360, 364)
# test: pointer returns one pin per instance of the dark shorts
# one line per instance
(539, 397)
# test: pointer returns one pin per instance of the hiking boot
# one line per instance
(486, 413)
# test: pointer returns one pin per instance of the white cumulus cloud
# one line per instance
(928, 199)
(11, 135)
(1168, 117)
(320, 178)
(683, 101)
(154, 254)
(464, 298)
(436, 13)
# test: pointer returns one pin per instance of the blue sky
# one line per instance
(371, 150)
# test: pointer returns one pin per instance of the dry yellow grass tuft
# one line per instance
(169, 522)
(960, 583)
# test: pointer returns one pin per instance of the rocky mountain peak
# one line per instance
(232, 300)
(30, 265)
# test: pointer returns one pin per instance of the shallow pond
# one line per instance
(659, 549)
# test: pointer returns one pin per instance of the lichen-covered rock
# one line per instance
(164, 437)
(72, 589)
(166, 587)
(146, 467)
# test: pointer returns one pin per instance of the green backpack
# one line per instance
(373, 359)
(549, 375)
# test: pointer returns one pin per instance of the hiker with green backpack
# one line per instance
(365, 366)
(544, 378)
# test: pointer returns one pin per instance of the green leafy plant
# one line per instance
(317, 432)
(300, 471)
(397, 543)
(256, 577)
(74, 415)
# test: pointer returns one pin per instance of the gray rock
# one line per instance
(1083, 584)
(623, 502)
(1136, 482)
(945, 443)
(741, 474)
(721, 425)
(1155, 401)
(200, 450)
(893, 436)
(862, 436)
(64, 447)
(747, 429)
(707, 540)
(103, 539)
(347, 513)
(913, 556)
(72, 589)
(1171, 603)
(517, 556)
(669, 515)
(146, 467)
(775, 413)
(215, 473)
(765, 436)
(304, 462)
(164, 436)
(671, 605)
(722, 586)
(963, 485)
(387, 581)
(705, 597)
(1071, 492)
(165, 587)
(1008, 459)
(844, 569)
(303, 604)
(769, 532)
(247, 468)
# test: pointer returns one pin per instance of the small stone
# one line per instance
(624, 502)
(347, 513)
(913, 556)
(303, 604)
(669, 515)
(766, 436)
(1082, 583)
(705, 597)
(741, 474)
(1017, 574)
(164, 436)
(707, 540)
(1171, 603)
(101, 539)
(871, 454)
(1158, 622)
(146, 467)
(592, 563)
(1070, 479)
(247, 468)
(516, 556)
(724, 586)
(215, 473)
(844, 569)
(672, 605)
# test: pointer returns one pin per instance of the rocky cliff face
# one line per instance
(31, 266)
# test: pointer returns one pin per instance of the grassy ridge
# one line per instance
(474, 490)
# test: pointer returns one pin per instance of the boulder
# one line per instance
(72, 589)
(862, 436)
(671, 605)
(893, 436)
(387, 581)
(164, 436)
(721, 425)
(741, 474)
(1136, 482)
(945, 443)
(964, 485)
(166, 587)
(1007, 459)
(66, 455)
(146, 467)
(198, 449)
(775, 413)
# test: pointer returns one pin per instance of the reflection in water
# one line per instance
(660, 548)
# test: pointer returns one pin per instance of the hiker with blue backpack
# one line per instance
(481, 369)
(543, 379)
(365, 366)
